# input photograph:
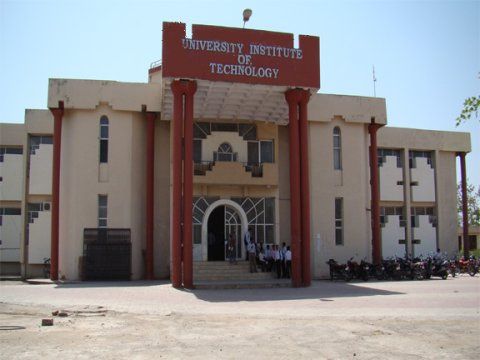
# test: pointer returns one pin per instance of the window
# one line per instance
(260, 152)
(8, 150)
(225, 153)
(423, 210)
(102, 211)
(103, 139)
(338, 221)
(197, 151)
(413, 155)
(36, 141)
(390, 210)
(383, 153)
(337, 149)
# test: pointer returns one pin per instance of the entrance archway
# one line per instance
(234, 219)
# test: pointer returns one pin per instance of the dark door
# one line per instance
(216, 234)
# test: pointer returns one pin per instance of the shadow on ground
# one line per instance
(321, 290)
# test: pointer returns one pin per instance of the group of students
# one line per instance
(271, 258)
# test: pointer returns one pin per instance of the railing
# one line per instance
(156, 64)
(255, 168)
(201, 168)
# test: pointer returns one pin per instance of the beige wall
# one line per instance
(11, 172)
(162, 200)
(324, 189)
(39, 238)
(446, 195)
(80, 186)
(87, 94)
(415, 139)
(10, 234)
(389, 176)
(354, 109)
(40, 177)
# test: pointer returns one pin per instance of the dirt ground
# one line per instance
(396, 320)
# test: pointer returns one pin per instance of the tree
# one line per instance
(473, 204)
(470, 107)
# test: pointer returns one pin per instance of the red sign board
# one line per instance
(240, 55)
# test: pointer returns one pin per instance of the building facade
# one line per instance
(229, 134)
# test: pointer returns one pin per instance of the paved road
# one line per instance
(453, 297)
(436, 319)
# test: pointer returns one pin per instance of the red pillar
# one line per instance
(466, 240)
(190, 88)
(292, 97)
(150, 117)
(176, 231)
(304, 186)
(57, 146)
(375, 194)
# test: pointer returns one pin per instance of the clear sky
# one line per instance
(426, 53)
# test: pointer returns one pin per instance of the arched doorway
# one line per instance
(222, 218)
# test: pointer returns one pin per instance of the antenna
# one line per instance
(374, 82)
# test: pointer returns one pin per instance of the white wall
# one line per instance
(216, 138)
(390, 174)
(11, 170)
(392, 232)
(10, 234)
(39, 238)
(427, 234)
(41, 170)
(424, 174)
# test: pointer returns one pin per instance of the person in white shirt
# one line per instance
(261, 260)
(246, 241)
(288, 262)
(251, 256)
(284, 264)
(277, 261)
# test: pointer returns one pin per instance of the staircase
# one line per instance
(222, 275)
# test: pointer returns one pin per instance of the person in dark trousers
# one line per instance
(288, 262)
(246, 240)
(251, 256)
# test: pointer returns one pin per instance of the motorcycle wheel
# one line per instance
(471, 272)
(444, 276)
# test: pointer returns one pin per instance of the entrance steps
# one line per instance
(222, 275)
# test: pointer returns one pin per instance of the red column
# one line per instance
(190, 88)
(292, 97)
(150, 158)
(305, 186)
(375, 194)
(176, 231)
(57, 146)
(466, 240)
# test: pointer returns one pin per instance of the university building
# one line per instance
(148, 180)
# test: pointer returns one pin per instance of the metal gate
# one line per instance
(107, 254)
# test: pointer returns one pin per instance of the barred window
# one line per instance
(337, 148)
(103, 139)
(102, 211)
(338, 221)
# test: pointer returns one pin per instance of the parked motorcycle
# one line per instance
(337, 271)
(467, 266)
(436, 267)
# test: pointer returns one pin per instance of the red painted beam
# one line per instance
(176, 231)
(150, 159)
(375, 194)
(57, 146)
(190, 88)
(292, 98)
(466, 240)
(305, 187)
